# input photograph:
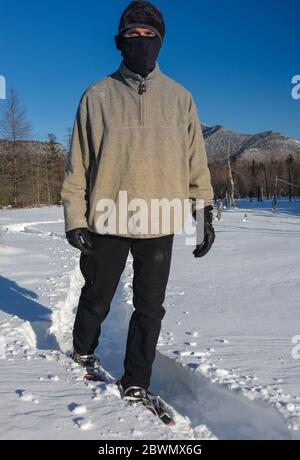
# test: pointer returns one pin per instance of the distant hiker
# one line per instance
(136, 131)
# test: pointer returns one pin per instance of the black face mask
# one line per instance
(140, 53)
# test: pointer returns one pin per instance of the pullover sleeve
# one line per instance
(200, 178)
(75, 186)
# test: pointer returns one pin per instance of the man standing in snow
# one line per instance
(136, 131)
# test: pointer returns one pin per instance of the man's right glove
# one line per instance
(209, 233)
(80, 238)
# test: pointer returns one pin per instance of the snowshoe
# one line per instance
(154, 404)
(94, 371)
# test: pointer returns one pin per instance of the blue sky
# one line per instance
(237, 57)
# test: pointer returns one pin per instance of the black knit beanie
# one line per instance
(141, 13)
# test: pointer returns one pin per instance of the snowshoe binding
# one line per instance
(154, 404)
(94, 371)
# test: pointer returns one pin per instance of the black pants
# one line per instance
(102, 272)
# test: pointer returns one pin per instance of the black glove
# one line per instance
(209, 233)
(80, 238)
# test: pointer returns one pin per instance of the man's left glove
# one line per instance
(80, 238)
(209, 233)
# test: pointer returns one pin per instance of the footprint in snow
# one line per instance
(53, 378)
(192, 365)
(222, 341)
(97, 397)
(83, 424)
(191, 344)
(77, 409)
(200, 354)
(193, 333)
(27, 396)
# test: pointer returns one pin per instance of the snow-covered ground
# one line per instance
(224, 361)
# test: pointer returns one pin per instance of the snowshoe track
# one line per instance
(194, 399)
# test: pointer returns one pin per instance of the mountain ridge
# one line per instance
(262, 146)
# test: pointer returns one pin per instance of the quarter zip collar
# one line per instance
(135, 80)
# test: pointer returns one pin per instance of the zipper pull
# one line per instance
(142, 87)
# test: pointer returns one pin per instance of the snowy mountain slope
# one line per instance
(217, 139)
(224, 358)
(262, 146)
(267, 145)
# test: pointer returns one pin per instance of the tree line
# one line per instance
(238, 178)
(32, 172)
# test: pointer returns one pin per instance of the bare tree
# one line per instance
(231, 181)
(68, 138)
(50, 160)
(38, 175)
(290, 164)
(255, 170)
(47, 179)
(263, 168)
(15, 128)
